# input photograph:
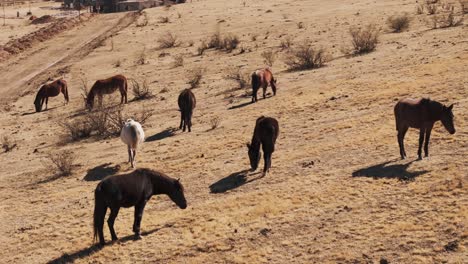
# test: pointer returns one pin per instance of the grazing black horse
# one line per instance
(133, 189)
(422, 114)
(187, 103)
(265, 133)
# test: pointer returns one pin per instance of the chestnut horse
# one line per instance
(265, 133)
(187, 103)
(132, 189)
(262, 78)
(50, 90)
(107, 86)
(421, 114)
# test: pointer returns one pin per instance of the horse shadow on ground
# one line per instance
(232, 181)
(91, 250)
(34, 112)
(168, 132)
(100, 172)
(387, 170)
(239, 105)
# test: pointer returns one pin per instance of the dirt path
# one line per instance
(23, 73)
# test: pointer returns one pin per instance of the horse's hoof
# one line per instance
(137, 237)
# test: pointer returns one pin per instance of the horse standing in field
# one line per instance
(422, 114)
(50, 90)
(133, 135)
(107, 86)
(133, 189)
(265, 133)
(187, 103)
(262, 78)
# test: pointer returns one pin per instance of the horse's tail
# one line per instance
(37, 100)
(99, 212)
(255, 81)
(395, 111)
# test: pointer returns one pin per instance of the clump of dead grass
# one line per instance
(215, 122)
(60, 163)
(399, 23)
(305, 57)
(168, 40)
(269, 57)
(364, 40)
(241, 78)
(141, 91)
(8, 144)
(194, 77)
(178, 61)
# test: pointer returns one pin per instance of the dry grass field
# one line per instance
(337, 191)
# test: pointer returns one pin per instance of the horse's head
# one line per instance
(89, 102)
(447, 119)
(254, 157)
(177, 195)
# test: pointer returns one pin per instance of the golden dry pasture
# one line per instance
(337, 191)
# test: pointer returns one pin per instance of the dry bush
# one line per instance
(305, 57)
(445, 20)
(141, 91)
(143, 21)
(238, 76)
(269, 57)
(216, 41)
(178, 61)
(230, 43)
(194, 77)
(163, 20)
(84, 88)
(77, 129)
(141, 57)
(399, 23)
(430, 7)
(420, 9)
(300, 25)
(286, 43)
(214, 122)
(61, 162)
(201, 49)
(168, 40)
(365, 39)
(8, 144)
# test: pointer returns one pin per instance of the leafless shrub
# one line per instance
(463, 6)
(84, 88)
(178, 61)
(141, 91)
(399, 23)
(8, 144)
(214, 122)
(286, 43)
(365, 39)
(77, 129)
(141, 57)
(142, 21)
(305, 57)
(269, 57)
(216, 41)
(61, 162)
(194, 77)
(238, 76)
(201, 49)
(168, 40)
(229, 43)
(445, 20)
(431, 8)
(420, 9)
(163, 20)
(300, 25)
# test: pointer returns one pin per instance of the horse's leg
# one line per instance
(113, 214)
(267, 161)
(185, 121)
(401, 137)
(137, 221)
(133, 158)
(181, 119)
(189, 121)
(426, 143)
(265, 86)
(129, 154)
(46, 102)
(100, 100)
(421, 141)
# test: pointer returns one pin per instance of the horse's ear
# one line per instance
(248, 145)
(450, 107)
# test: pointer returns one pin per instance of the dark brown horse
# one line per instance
(50, 90)
(262, 78)
(422, 114)
(107, 86)
(187, 103)
(265, 133)
(133, 189)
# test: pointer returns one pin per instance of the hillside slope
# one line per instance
(337, 191)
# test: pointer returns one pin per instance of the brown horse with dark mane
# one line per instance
(265, 134)
(262, 78)
(50, 90)
(133, 189)
(107, 86)
(421, 114)
(187, 103)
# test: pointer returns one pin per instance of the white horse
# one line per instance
(132, 134)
